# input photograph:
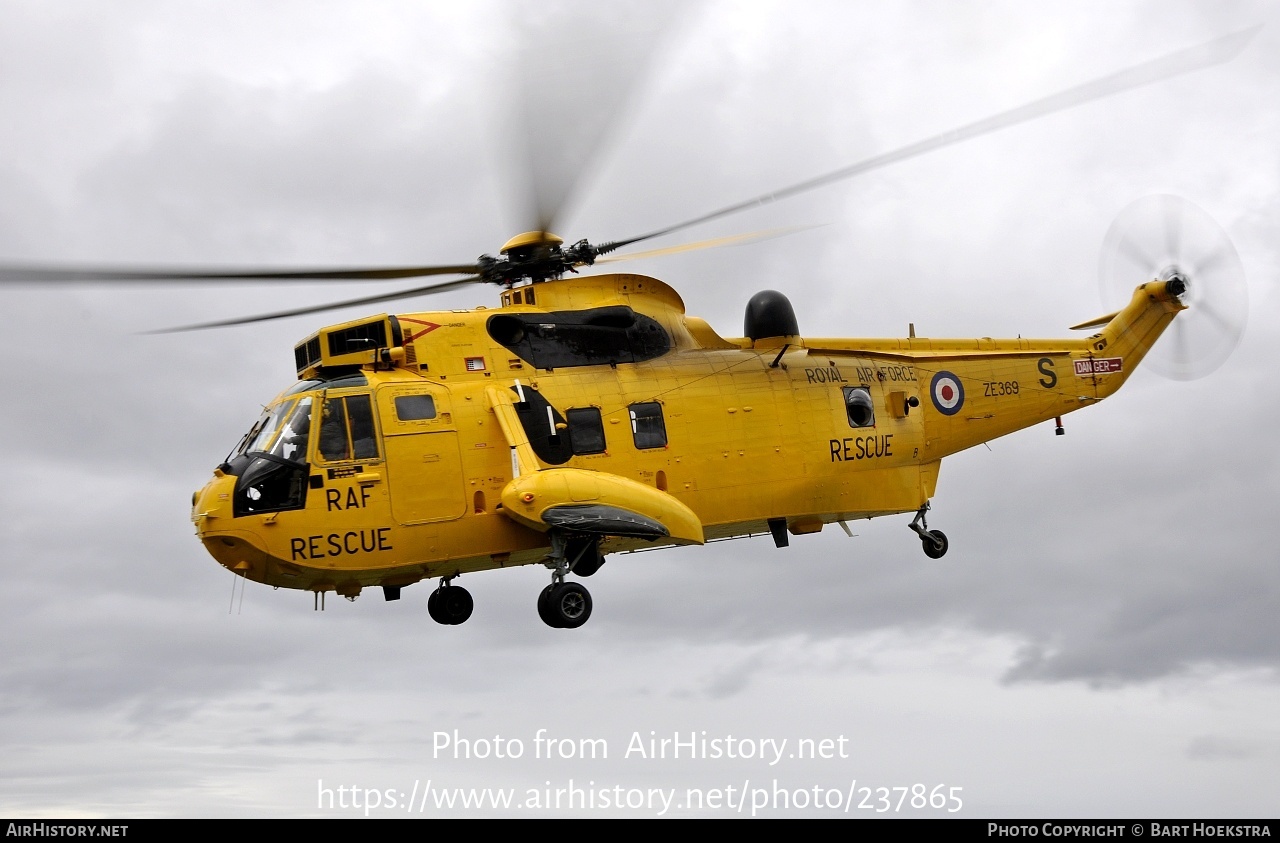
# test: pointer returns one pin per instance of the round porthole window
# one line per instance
(857, 403)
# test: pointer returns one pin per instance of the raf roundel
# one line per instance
(947, 393)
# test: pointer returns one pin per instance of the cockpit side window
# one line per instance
(364, 440)
(333, 431)
(348, 431)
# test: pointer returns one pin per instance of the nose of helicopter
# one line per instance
(235, 548)
(211, 503)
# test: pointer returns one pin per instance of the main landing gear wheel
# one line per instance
(450, 605)
(566, 605)
(544, 606)
(935, 544)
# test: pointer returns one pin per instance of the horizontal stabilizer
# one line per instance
(1095, 323)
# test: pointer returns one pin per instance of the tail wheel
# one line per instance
(934, 543)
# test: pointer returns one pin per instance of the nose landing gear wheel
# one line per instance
(450, 605)
(564, 606)
(935, 544)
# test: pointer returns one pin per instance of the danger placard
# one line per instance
(1099, 366)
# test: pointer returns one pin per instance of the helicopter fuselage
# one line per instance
(466, 440)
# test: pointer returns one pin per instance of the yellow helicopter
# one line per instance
(590, 415)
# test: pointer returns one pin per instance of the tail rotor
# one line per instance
(1167, 237)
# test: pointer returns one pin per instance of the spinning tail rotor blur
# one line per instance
(1166, 237)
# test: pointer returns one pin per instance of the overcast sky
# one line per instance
(1102, 638)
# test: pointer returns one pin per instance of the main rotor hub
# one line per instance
(538, 256)
(530, 239)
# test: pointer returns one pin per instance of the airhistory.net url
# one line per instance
(423, 797)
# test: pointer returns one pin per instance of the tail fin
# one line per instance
(1125, 340)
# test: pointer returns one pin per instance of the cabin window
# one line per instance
(858, 407)
(647, 426)
(586, 430)
(415, 407)
(347, 431)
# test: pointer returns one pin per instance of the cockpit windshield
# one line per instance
(264, 429)
(270, 463)
(292, 441)
(282, 431)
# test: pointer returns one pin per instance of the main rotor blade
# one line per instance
(1204, 55)
(320, 308)
(714, 243)
(577, 74)
(80, 274)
